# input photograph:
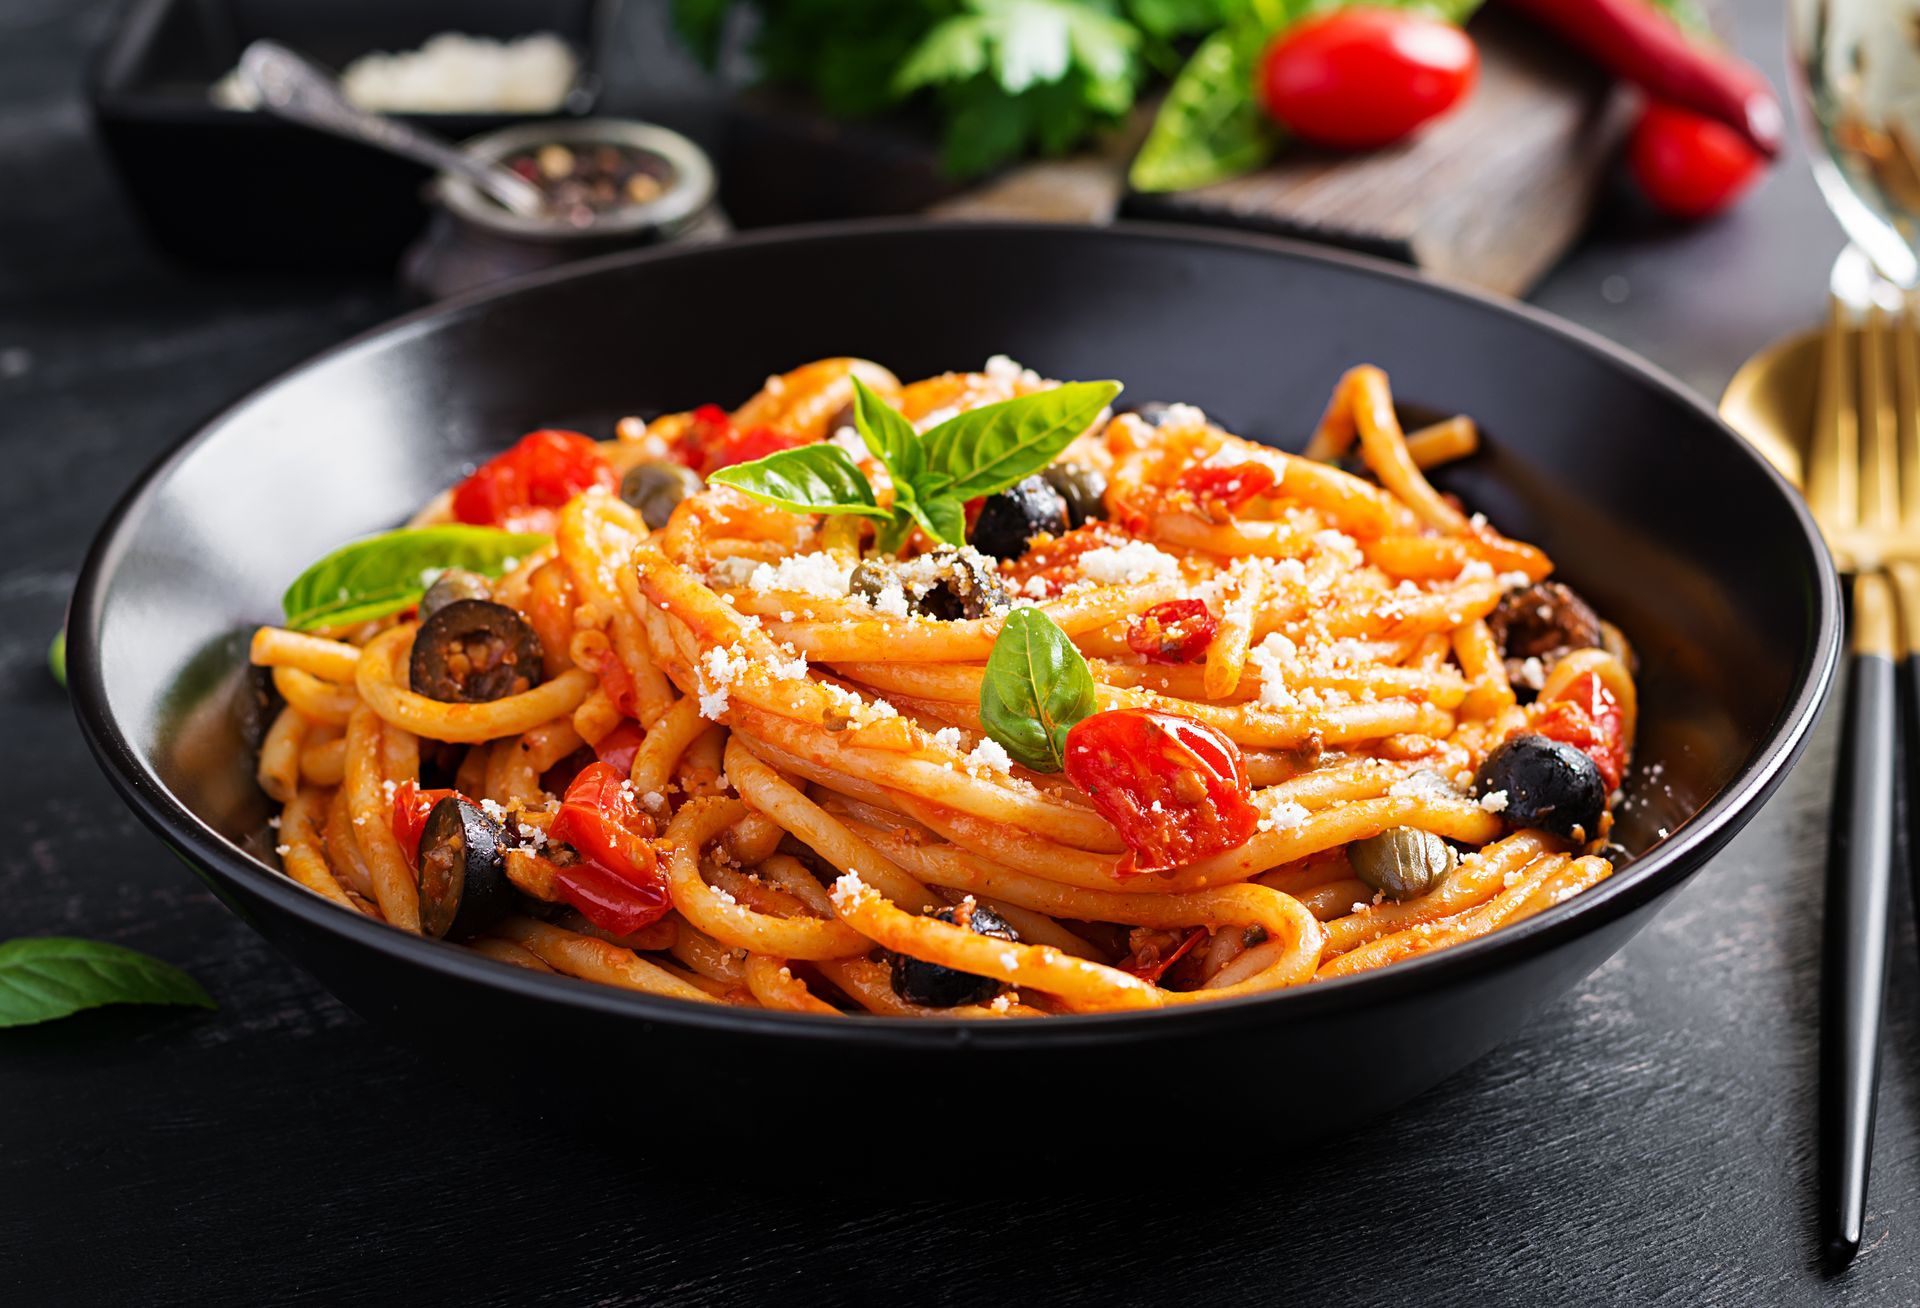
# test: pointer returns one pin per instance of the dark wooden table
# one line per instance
(1647, 1140)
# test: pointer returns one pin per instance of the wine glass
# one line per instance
(1857, 65)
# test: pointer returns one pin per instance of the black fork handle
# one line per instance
(1853, 991)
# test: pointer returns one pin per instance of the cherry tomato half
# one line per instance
(1687, 165)
(617, 748)
(600, 817)
(410, 808)
(616, 906)
(1227, 488)
(522, 488)
(1359, 78)
(1177, 631)
(711, 442)
(1174, 788)
(1587, 716)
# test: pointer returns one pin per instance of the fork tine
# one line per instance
(1879, 454)
(1906, 371)
(1833, 461)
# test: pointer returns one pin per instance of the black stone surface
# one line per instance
(1647, 1141)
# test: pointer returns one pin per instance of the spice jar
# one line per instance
(611, 184)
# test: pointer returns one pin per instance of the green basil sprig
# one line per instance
(979, 452)
(51, 976)
(383, 574)
(1037, 686)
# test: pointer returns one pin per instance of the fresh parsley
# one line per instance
(47, 977)
(973, 454)
(383, 574)
(1037, 686)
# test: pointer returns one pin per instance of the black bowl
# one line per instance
(1655, 510)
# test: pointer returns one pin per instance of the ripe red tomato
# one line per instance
(1175, 789)
(711, 441)
(410, 808)
(521, 489)
(600, 818)
(1227, 488)
(1359, 78)
(615, 906)
(1587, 716)
(617, 748)
(1177, 631)
(1687, 165)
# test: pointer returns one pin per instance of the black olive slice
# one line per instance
(463, 871)
(1010, 520)
(472, 651)
(932, 986)
(1546, 784)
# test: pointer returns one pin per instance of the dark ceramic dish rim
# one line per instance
(1648, 878)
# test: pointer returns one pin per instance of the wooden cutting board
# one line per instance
(1491, 195)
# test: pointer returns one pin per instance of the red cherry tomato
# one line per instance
(614, 905)
(1359, 78)
(1174, 788)
(600, 817)
(521, 489)
(711, 442)
(1177, 631)
(410, 808)
(1587, 716)
(617, 748)
(1227, 488)
(1687, 165)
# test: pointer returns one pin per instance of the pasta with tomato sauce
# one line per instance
(982, 696)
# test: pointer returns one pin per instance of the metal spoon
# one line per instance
(299, 90)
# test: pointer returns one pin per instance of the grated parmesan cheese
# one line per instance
(990, 755)
(1494, 801)
(820, 575)
(1128, 564)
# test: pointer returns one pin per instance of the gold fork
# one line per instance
(1863, 485)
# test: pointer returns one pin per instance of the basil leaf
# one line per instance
(943, 516)
(383, 574)
(1037, 686)
(808, 479)
(890, 437)
(57, 657)
(1210, 127)
(988, 449)
(52, 976)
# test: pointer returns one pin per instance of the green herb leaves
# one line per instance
(383, 574)
(51, 976)
(1037, 686)
(973, 454)
(809, 479)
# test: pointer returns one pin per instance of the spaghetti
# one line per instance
(1286, 717)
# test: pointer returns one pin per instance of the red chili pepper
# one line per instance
(617, 748)
(1177, 631)
(601, 819)
(1228, 487)
(1637, 42)
(1175, 789)
(522, 488)
(1154, 971)
(411, 805)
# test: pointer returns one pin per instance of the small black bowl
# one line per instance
(1660, 514)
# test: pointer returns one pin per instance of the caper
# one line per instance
(1083, 487)
(453, 584)
(869, 579)
(1402, 862)
(656, 488)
